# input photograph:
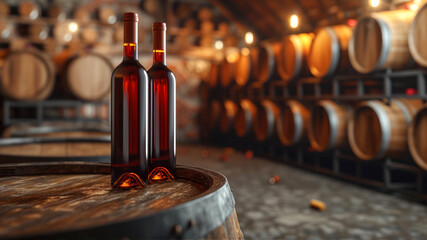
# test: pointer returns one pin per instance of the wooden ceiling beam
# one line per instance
(305, 14)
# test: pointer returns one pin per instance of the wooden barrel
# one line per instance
(57, 12)
(377, 130)
(265, 121)
(60, 200)
(27, 76)
(228, 112)
(417, 138)
(292, 57)
(417, 37)
(7, 29)
(328, 52)
(267, 64)
(292, 123)
(245, 116)
(89, 35)
(82, 14)
(39, 31)
(29, 9)
(88, 76)
(228, 67)
(246, 70)
(380, 41)
(4, 9)
(328, 125)
(214, 74)
(107, 15)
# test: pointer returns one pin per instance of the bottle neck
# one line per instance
(159, 47)
(130, 46)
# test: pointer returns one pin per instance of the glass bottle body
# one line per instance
(129, 125)
(162, 123)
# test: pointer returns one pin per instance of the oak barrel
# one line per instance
(246, 68)
(27, 76)
(75, 201)
(417, 138)
(265, 121)
(292, 123)
(228, 113)
(329, 51)
(292, 57)
(29, 9)
(243, 122)
(378, 130)
(380, 41)
(417, 37)
(267, 63)
(328, 125)
(228, 68)
(88, 76)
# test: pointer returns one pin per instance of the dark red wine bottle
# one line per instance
(162, 103)
(129, 113)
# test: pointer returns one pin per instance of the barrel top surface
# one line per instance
(88, 76)
(320, 56)
(417, 36)
(367, 45)
(52, 204)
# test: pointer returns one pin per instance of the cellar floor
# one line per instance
(281, 210)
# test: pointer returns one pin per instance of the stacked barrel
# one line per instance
(369, 128)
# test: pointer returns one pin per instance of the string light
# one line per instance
(293, 21)
(219, 44)
(249, 38)
(73, 27)
(374, 3)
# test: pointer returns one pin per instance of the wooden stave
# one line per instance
(385, 61)
(418, 157)
(302, 49)
(198, 210)
(247, 111)
(301, 120)
(246, 73)
(68, 69)
(394, 121)
(228, 113)
(411, 39)
(267, 62)
(338, 117)
(339, 47)
(44, 91)
(271, 111)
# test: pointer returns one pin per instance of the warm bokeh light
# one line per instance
(249, 38)
(294, 21)
(219, 44)
(412, 6)
(73, 27)
(232, 57)
(245, 51)
(374, 3)
(352, 22)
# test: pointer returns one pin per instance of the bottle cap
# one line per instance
(130, 16)
(159, 26)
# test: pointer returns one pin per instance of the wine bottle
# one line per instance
(162, 103)
(129, 114)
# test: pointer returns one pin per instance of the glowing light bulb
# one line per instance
(249, 38)
(73, 27)
(374, 3)
(294, 21)
(219, 44)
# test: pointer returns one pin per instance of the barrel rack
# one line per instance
(396, 176)
(40, 107)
